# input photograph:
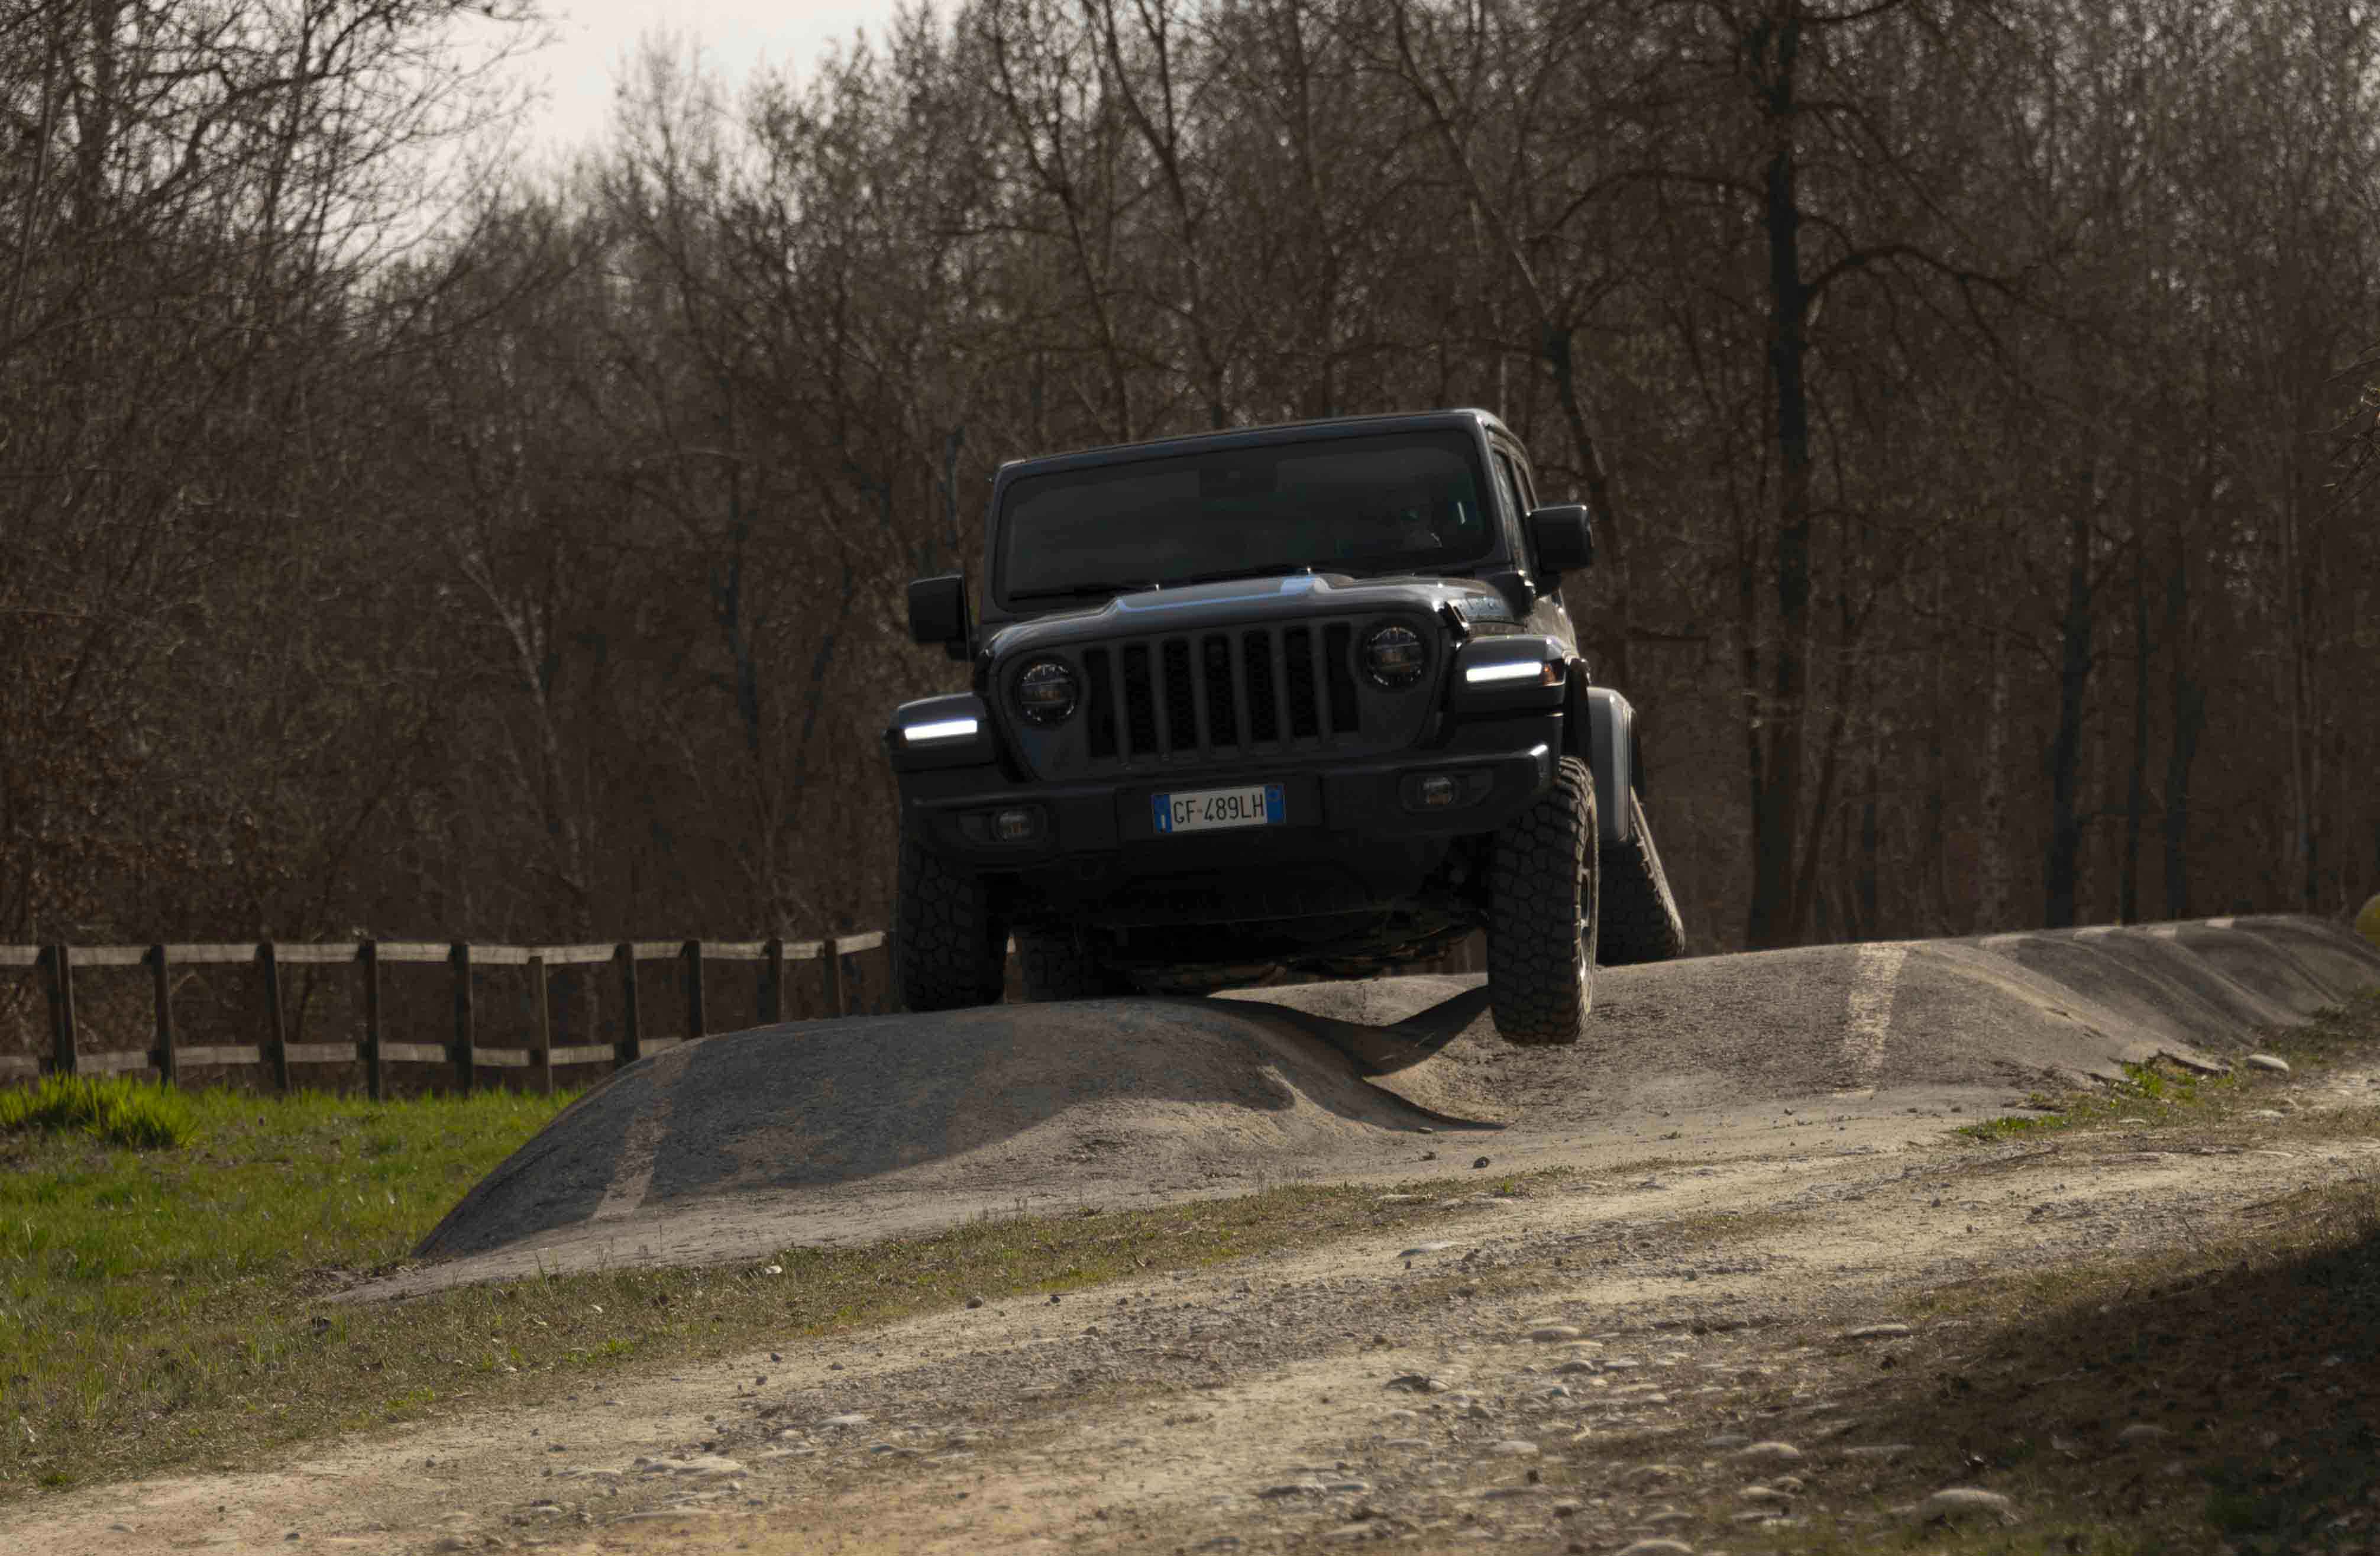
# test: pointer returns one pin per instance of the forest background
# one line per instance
(1977, 396)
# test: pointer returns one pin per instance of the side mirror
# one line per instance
(1563, 537)
(937, 612)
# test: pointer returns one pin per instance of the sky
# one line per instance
(594, 37)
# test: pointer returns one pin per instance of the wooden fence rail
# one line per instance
(59, 964)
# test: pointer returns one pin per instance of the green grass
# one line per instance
(2158, 1091)
(2163, 1092)
(140, 1114)
(171, 1307)
(145, 1285)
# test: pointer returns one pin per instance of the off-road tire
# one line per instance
(950, 938)
(1541, 914)
(1059, 966)
(1639, 918)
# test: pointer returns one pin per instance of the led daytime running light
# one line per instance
(941, 729)
(1511, 670)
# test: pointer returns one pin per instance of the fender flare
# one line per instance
(1604, 737)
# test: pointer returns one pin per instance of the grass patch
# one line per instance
(171, 1309)
(2163, 1092)
(142, 1115)
(2158, 1091)
(159, 1251)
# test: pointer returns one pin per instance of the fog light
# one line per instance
(1436, 791)
(1014, 826)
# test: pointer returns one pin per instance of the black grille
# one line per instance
(1221, 691)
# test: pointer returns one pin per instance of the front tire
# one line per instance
(1541, 915)
(949, 937)
(1058, 964)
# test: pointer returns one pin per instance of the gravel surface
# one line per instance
(1674, 1348)
(827, 1131)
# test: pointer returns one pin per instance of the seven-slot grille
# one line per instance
(1233, 690)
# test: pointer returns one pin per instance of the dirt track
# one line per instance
(846, 1131)
(1681, 1285)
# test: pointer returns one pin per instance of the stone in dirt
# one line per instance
(1766, 1454)
(1877, 1332)
(2272, 1061)
(1548, 1334)
(1955, 1503)
(2140, 1432)
(1657, 1548)
(701, 1465)
(1514, 1447)
(1416, 1383)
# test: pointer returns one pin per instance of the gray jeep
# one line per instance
(1300, 697)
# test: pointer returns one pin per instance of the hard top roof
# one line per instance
(1248, 437)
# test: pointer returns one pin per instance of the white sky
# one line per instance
(576, 73)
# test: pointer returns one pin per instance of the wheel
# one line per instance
(1058, 964)
(1541, 914)
(950, 938)
(1639, 920)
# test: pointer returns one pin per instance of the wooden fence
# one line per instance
(59, 964)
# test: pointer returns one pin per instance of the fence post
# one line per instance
(367, 958)
(831, 976)
(772, 984)
(169, 1065)
(62, 1013)
(467, 1057)
(630, 1046)
(276, 1038)
(541, 1059)
(693, 1031)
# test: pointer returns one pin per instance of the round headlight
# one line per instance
(1394, 656)
(1047, 692)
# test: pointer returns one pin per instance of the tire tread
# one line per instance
(1541, 885)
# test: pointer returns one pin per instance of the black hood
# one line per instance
(1236, 602)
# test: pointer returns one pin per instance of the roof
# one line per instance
(1250, 437)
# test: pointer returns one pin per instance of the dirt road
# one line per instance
(1692, 1331)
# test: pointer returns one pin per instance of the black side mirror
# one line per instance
(1563, 537)
(937, 612)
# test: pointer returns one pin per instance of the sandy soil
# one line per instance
(1479, 1380)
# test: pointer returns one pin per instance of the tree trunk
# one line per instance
(2189, 718)
(2066, 744)
(2136, 785)
(1994, 890)
(1772, 46)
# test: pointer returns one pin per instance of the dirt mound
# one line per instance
(2015, 1009)
(1107, 1095)
(848, 1130)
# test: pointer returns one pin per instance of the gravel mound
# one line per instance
(848, 1130)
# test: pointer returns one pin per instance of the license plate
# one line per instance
(1251, 804)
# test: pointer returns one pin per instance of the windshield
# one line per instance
(1398, 503)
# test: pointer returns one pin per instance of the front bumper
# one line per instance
(1500, 767)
